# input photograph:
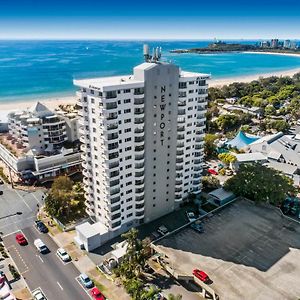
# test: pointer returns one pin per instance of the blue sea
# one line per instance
(30, 69)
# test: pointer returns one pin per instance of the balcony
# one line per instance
(139, 207)
(112, 126)
(139, 120)
(139, 91)
(139, 182)
(139, 148)
(115, 200)
(179, 168)
(178, 182)
(139, 165)
(139, 199)
(112, 116)
(114, 191)
(181, 103)
(139, 215)
(179, 161)
(112, 105)
(139, 174)
(112, 136)
(180, 128)
(139, 111)
(180, 120)
(139, 139)
(179, 152)
(139, 157)
(113, 165)
(181, 112)
(139, 101)
(180, 144)
(139, 130)
(198, 161)
(180, 136)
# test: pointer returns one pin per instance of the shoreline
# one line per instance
(273, 53)
(53, 102)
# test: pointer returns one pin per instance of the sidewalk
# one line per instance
(84, 264)
(19, 287)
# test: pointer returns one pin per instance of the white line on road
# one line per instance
(59, 285)
(40, 258)
(23, 199)
(16, 222)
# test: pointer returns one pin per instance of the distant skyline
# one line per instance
(91, 19)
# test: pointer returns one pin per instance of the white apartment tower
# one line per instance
(142, 141)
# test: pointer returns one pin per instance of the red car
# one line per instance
(96, 294)
(212, 171)
(200, 275)
(21, 240)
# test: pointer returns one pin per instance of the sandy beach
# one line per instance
(52, 103)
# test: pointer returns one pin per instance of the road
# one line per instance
(14, 200)
(56, 279)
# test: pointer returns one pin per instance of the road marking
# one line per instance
(23, 199)
(14, 223)
(40, 258)
(35, 197)
(59, 285)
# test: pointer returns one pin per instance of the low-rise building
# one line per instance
(41, 144)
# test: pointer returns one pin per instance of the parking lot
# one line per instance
(249, 252)
(13, 201)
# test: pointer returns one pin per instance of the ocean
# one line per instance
(30, 69)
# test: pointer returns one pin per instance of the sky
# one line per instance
(164, 19)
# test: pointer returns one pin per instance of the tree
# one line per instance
(280, 125)
(209, 144)
(64, 199)
(226, 122)
(210, 182)
(260, 184)
(227, 158)
(132, 265)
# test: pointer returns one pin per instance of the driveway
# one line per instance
(58, 280)
(13, 201)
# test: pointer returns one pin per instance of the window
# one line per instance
(128, 139)
(127, 148)
(128, 175)
(129, 215)
(126, 111)
(128, 166)
(127, 120)
(128, 157)
(127, 91)
(129, 207)
(128, 183)
(127, 101)
(128, 192)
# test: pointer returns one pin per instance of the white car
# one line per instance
(63, 255)
(38, 295)
(191, 216)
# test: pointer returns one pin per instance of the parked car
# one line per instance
(21, 240)
(1, 192)
(86, 281)
(154, 235)
(201, 275)
(38, 295)
(198, 227)
(163, 230)
(96, 294)
(229, 172)
(1, 181)
(41, 226)
(191, 216)
(63, 255)
(212, 171)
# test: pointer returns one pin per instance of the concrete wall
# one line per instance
(161, 97)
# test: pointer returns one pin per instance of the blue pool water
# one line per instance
(30, 69)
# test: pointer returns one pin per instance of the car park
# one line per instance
(96, 294)
(191, 216)
(38, 295)
(63, 255)
(21, 240)
(86, 281)
(163, 230)
(41, 226)
(201, 275)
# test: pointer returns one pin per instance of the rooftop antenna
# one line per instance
(147, 56)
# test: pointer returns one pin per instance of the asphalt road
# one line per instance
(56, 279)
(13, 201)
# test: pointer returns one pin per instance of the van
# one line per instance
(42, 248)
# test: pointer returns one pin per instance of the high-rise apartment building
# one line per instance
(142, 141)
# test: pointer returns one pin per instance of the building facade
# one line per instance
(142, 141)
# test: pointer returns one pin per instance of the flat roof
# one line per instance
(255, 156)
(89, 230)
(220, 194)
(101, 82)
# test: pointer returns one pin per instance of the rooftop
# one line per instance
(244, 157)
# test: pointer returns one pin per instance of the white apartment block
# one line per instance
(142, 141)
